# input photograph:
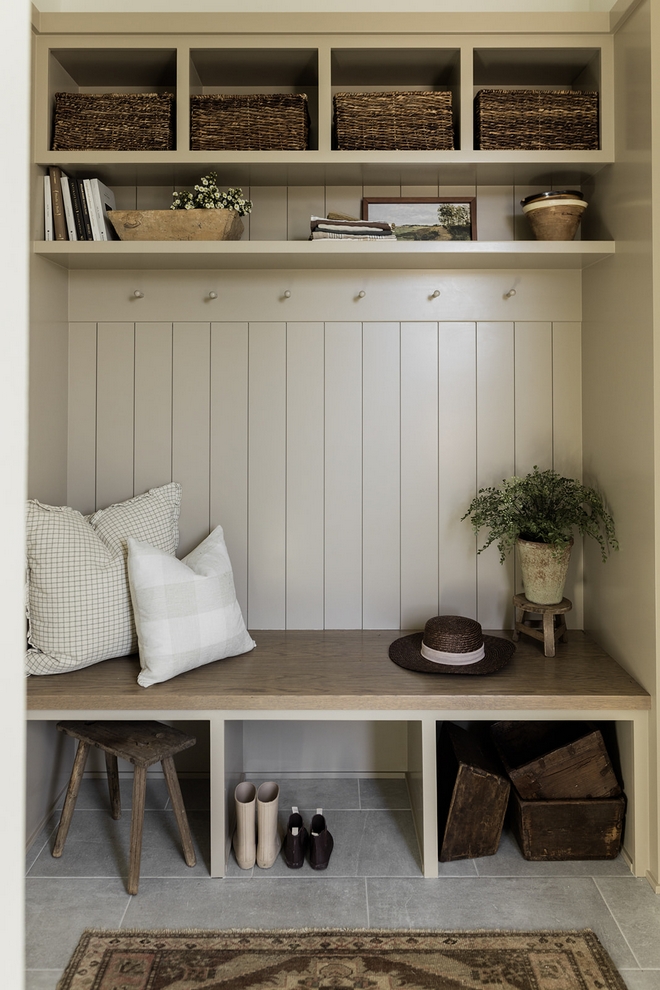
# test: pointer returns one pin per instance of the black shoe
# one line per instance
(295, 842)
(320, 843)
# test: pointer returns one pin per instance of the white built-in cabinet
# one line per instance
(288, 186)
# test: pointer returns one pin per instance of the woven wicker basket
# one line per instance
(536, 120)
(271, 122)
(113, 122)
(417, 121)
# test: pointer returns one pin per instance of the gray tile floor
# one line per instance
(373, 880)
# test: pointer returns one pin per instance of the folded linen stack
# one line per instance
(328, 228)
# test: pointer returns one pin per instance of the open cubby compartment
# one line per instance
(109, 70)
(378, 70)
(578, 69)
(244, 71)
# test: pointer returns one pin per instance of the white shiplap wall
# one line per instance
(337, 453)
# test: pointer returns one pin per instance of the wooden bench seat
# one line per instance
(347, 675)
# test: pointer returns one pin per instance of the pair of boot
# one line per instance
(297, 840)
(257, 837)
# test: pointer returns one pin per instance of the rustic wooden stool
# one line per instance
(142, 744)
(552, 631)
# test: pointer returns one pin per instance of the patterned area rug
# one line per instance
(340, 960)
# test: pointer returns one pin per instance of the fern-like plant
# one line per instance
(543, 507)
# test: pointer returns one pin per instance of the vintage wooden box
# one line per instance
(472, 796)
(590, 828)
(555, 760)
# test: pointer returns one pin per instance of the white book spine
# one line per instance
(91, 209)
(99, 210)
(48, 211)
(68, 208)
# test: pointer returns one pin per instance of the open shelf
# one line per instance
(323, 254)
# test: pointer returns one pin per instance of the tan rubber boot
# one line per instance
(245, 844)
(269, 839)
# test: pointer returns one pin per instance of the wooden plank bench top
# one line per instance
(348, 670)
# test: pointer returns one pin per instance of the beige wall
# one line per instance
(618, 383)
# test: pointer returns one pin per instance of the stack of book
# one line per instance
(76, 209)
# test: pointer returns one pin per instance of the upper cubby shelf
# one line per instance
(320, 67)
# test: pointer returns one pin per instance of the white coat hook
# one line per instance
(361, 294)
(509, 294)
(138, 295)
(213, 295)
(435, 294)
(287, 294)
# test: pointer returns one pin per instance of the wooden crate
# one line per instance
(554, 760)
(472, 796)
(561, 830)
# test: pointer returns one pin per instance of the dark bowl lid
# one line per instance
(552, 194)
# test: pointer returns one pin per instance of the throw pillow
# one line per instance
(186, 611)
(79, 604)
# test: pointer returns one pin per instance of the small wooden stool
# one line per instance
(142, 744)
(552, 632)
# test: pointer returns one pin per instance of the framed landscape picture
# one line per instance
(451, 218)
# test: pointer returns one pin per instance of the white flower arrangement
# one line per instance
(207, 196)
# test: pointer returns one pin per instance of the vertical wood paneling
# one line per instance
(191, 411)
(267, 476)
(81, 457)
(495, 213)
(457, 467)
(419, 473)
(304, 476)
(268, 220)
(229, 445)
(381, 499)
(567, 430)
(343, 476)
(153, 405)
(533, 396)
(495, 461)
(567, 398)
(114, 413)
(344, 199)
(303, 202)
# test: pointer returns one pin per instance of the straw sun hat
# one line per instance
(452, 644)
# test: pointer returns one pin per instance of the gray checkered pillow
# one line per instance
(79, 603)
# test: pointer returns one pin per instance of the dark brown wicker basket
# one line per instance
(415, 121)
(536, 120)
(256, 122)
(113, 122)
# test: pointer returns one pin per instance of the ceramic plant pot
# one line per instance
(554, 216)
(543, 572)
(177, 225)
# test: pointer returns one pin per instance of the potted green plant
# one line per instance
(205, 214)
(538, 515)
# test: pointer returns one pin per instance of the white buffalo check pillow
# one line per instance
(79, 604)
(186, 611)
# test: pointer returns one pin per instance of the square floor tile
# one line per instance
(58, 911)
(641, 979)
(42, 979)
(484, 902)
(271, 903)
(510, 862)
(384, 792)
(637, 910)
